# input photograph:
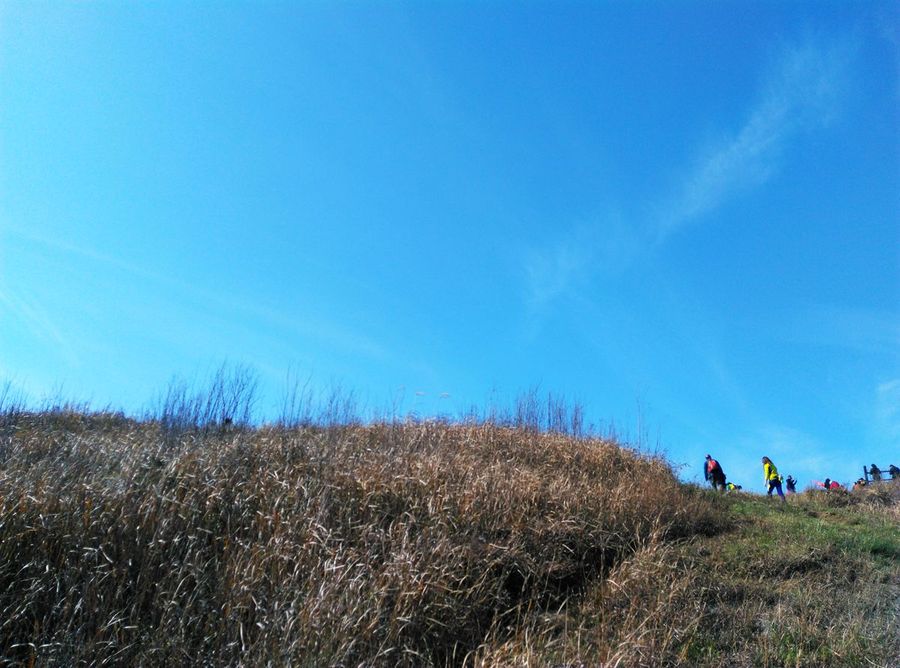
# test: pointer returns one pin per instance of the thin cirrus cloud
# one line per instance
(802, 93)
(183, 297)
(23, 309)
(551, 272)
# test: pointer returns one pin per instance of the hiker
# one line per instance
(714, 473)
(894, 471)
(859, 484)
(771, 477)
(791, 485)
(876, 473)
(731, 487)
(827, 484)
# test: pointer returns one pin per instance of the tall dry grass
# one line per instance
(125, 542)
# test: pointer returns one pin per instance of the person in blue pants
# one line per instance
(771, 477)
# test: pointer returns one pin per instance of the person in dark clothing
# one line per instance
(894, 471)
(875, 472)
(791, 485)
(714, 473)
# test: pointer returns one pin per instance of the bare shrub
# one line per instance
(12, 403)
(228, 399)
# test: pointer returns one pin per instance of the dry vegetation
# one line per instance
(130, 542)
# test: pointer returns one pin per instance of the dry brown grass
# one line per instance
(800, 584)
(388, 544)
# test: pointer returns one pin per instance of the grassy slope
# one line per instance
(419, 545)
(814, 582)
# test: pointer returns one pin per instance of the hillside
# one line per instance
(125, 542)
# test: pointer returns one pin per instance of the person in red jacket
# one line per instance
(714, 473)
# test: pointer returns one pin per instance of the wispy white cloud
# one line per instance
(192, 298)
(802, 93)
(550, 272)
(575, 257)
(26, 311)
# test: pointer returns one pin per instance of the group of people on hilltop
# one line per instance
(877, 474)
(715, 475)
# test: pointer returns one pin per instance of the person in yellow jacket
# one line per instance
(772, 479)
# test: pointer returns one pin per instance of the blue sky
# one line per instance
(684, 215)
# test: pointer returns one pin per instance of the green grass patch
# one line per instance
(811, 582)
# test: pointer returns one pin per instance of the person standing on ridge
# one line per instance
(771, 477)
(714, 473)
(791, 485)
